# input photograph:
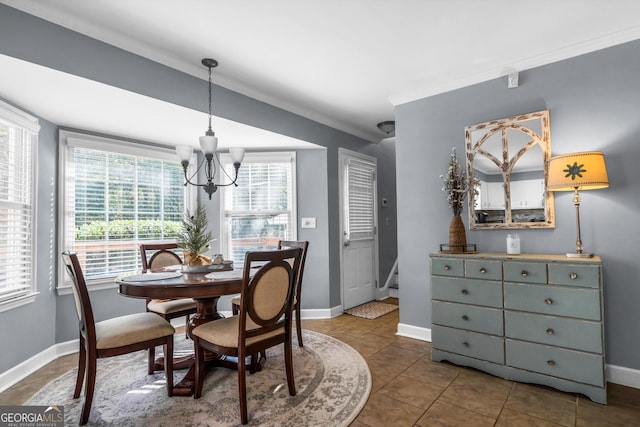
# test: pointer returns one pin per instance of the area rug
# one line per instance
(372, 310)
(332, 380)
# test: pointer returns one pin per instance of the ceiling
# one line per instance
(344, 63)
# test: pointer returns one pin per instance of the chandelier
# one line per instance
(209, 147)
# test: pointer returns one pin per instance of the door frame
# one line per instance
(344, 154)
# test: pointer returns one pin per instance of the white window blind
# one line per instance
(18, 138)
(260, 211)
(117, 196)
(360, 199)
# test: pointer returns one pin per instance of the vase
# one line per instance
(457, 236)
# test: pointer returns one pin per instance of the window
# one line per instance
(117, 195)
(260, 211)
(18, 139)
(359, 203)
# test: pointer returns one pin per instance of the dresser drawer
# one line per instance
(483, 269)
(472, 344)
(575, 275)
(568, 364)
(470, 317)
(447, 267)
(558, 301)
(525, 272)
(558, 331)
(467, 291)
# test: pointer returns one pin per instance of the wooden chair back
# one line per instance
(266, 299)
(162, 255)
(304, 245)
(80, 297)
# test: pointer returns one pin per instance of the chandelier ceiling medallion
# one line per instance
(209, 147)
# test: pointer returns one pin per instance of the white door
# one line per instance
(358, 226)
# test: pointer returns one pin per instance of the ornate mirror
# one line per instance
(508, 160)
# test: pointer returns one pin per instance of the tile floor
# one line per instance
(410, 390)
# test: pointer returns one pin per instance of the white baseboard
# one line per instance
(415, 332)
(623, 376)
(29, 366)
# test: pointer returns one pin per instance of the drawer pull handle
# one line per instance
(550, 331)
(465, 344)
(551, 363)
(548, 301)
(446, 267)
(465, 292)
(465, 317)
(524, 273)
(483, 270)
(573, 276)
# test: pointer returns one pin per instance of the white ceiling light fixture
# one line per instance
(209, 147)
(388, 127)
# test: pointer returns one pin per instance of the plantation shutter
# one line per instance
(18, 137)
(360, 221)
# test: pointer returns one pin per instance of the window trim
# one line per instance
(16, 117)
(260, 157)
(84, 140)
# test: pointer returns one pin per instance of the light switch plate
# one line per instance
(308, 223)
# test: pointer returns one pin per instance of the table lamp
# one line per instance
(573, 172)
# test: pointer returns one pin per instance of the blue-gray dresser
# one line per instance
(532, 318)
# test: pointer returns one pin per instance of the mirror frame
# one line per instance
(506, 164)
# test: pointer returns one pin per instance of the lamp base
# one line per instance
(577, 255)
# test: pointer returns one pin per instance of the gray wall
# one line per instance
(36, 327)
(594, 102)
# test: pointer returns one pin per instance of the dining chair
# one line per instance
(264, 320)
(158, 255)
(112, 337)
(283, 244)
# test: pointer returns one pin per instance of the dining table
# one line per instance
(205, 289)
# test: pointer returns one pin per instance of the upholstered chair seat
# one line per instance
(168, 307)
(126, 330)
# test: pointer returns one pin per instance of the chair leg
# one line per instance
(288, 363)
(91, 382)
(235, 310)
(200, 371)
(242, 387)
(168, 364)
(152, 360)
(299, 325)
(82, 364)
(186, 326)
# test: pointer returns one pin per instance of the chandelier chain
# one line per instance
(210, 99)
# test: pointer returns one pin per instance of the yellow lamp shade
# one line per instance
(577, 171)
